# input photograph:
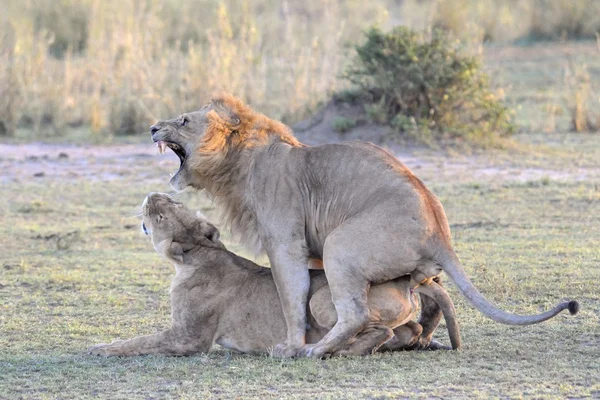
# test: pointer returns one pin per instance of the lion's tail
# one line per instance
(456, 272)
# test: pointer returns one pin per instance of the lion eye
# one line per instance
(185, 121)
(159, 218)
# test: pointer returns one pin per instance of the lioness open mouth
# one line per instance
(177, 149)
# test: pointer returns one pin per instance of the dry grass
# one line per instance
(9, 86)
(117, 65)
(549, 85)
(584, 97)
(580, 99)
(507, 20)
(99, 62)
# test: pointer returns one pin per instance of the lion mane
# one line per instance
(223, 157)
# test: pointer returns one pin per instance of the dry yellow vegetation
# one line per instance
(117, 65)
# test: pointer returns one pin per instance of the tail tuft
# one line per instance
(573, 307)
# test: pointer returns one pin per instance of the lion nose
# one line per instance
(154, 129)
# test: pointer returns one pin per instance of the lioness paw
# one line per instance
(435, 345)
(284, 351)
(104, 349)
(98, 350)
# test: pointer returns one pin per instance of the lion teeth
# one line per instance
(161, 146)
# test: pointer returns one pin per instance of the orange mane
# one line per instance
(224, 155)
(233, 124)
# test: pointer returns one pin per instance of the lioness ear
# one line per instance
(176, 252)
(207, 229)
(212, 233)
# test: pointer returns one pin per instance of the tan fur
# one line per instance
(232, 131)
(352, 205)
(218, 297)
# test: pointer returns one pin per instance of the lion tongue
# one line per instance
(161, 146)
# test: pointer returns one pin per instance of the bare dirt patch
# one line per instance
(555, 161)
(99, 162)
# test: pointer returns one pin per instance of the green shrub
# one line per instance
(425, 85)
(377, 112)
(342, 124)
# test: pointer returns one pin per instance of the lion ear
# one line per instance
(226, 113)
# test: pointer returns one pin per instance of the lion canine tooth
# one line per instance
(161, 146)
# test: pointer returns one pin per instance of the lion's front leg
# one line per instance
(164, 343)
(290, 272)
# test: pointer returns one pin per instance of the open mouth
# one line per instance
(177, 149)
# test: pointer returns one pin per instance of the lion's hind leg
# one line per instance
(431, 315)
(367, 341)
(349, 295)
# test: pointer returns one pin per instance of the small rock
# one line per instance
(39, 174)
(62, 155)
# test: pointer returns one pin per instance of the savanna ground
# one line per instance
(75, 269)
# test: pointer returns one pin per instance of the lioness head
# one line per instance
(174, 228)
(206, 139)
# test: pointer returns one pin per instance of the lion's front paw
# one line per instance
(284, 351)
(312, 351)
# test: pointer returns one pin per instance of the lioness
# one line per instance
(353, 205)
(218, 297)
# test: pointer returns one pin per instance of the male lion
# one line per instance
(219, 297)
(353, 205)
